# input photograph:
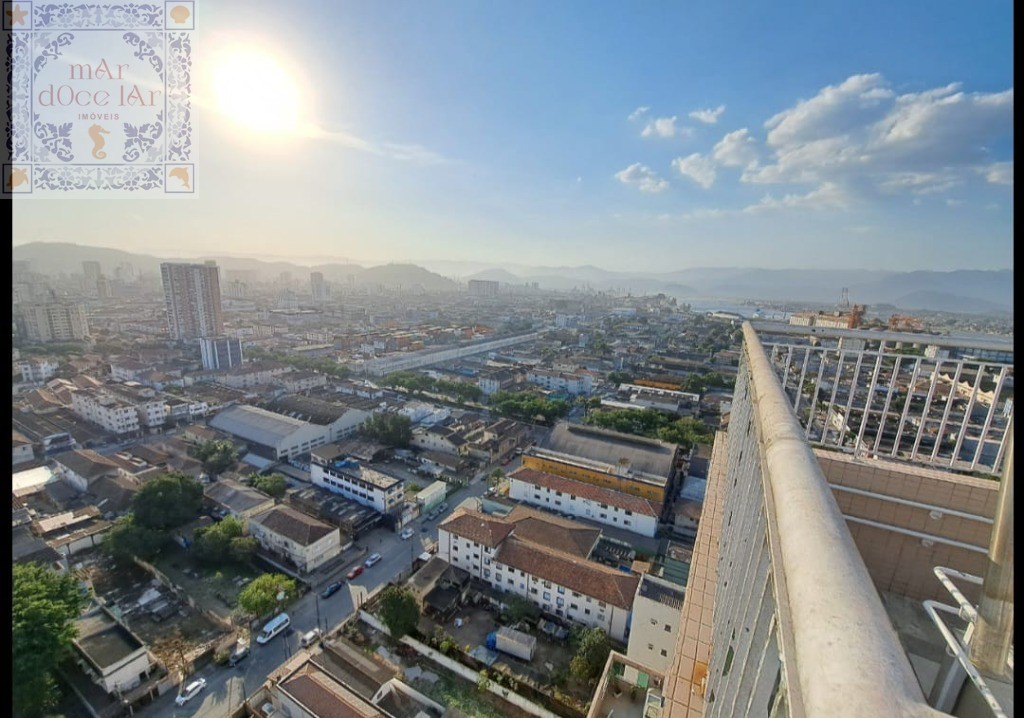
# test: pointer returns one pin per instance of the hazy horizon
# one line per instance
(876, 136)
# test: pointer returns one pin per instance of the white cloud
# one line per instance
(954, 202)
(665, 127)
(697, 167)
(860, 134)
(638, 113)
(706, 214)
(736, 149)
(642, 177)
(405, 152)
(826, 196)
(708, 117)
(999, 173)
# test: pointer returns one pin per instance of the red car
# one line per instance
(355, 572)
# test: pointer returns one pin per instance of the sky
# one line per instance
(645, 137)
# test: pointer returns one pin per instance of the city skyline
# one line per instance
(866, 136)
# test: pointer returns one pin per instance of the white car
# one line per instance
(191, 691)
(407, 533)
(374, 558)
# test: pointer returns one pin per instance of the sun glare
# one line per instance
(254, 89)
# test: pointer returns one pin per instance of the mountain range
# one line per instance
(968, 291)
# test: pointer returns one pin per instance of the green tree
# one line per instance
(126, 538)
(519, 609)
(216, 456)
(273, 484)
(242, 549)
(399, 610)
(392, 430)
(167, 502)
(260, 596)
(44, 604)
(620, 377)
(483, 681)
(217, 544)
(592, 649)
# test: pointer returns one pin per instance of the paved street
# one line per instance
(226, 687)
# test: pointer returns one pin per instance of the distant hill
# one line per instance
(497, 275)
(407, 276)
(972, 291)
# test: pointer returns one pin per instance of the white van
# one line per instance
(310, 637)
(274, 627)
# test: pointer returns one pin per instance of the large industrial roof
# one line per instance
(648, 456)
(257, 425)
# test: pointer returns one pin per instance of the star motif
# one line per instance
(17, 15)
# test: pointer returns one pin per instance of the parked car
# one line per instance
(406, 533)
(191, 691)
(310, 637)
(374, 558)
(354, 572)
(331, 589)
(240, 653)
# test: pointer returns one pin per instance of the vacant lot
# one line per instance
(214, 588)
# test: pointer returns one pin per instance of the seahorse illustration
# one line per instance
(96, 133)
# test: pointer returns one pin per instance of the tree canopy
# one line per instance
(417, 383)
(223, 543)
(526, 406)
(272, 484)
(393, 430)
(44, 604)
(398, 610)
(592, 649)
(654, 424)
(167, 502)
(127, 538)
(216, 456)
(260, 596)
(321, 365)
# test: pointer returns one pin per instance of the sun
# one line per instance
(253, 88)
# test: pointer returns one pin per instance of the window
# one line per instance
(650, 646)
(487, 573)
(561, 589)
(532, 590)
(586, 611)
(511, 582)
(547, 595)
(574, 606)
(654, 621)
(575, 595)
(547, 584)
(664, 652)
(487, 562)
(601, 604)
(668, 628)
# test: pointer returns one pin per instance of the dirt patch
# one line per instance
(215, 589)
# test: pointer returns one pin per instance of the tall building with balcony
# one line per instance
(192, 296)
(851, 568)
(220, 352)
(55, 321)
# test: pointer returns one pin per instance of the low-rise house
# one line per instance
(110, 654)
(70, 532)
(657, 609)
(81, 468)
(238, 500)
(304, 541)
(577, 498)
(22, 451)
(545, 560)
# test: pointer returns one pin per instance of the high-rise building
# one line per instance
(319, 288)
(841, 566)
(92, 271)
(221, 352)
(483, 288)
(104, 290)
(192, 294)
(55, 322)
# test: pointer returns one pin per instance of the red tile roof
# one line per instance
(575, 573)
(636, 504)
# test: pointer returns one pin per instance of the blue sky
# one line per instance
(641, 136)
